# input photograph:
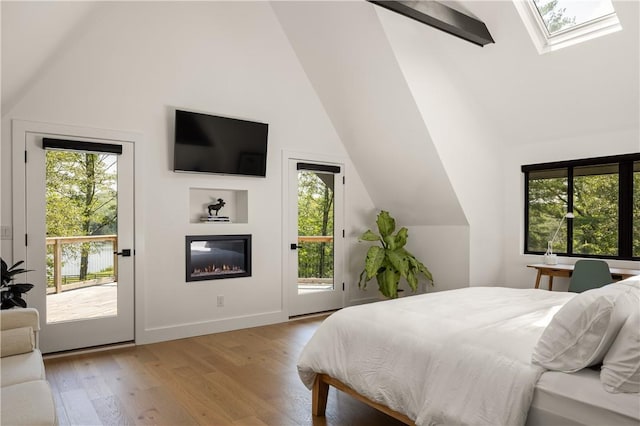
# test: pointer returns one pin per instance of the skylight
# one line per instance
(559, 15)
(554, 24)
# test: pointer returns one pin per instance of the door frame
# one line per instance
(288, 156)
(19, 131)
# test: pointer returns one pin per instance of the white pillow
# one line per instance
(633, 281)
(581, 332)
(621, 366)
(16, 341)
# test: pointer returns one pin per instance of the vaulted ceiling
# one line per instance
(396, 90)
(591, 87)
(361, 85)
(33, 33)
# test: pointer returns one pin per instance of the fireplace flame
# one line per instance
(213, 269)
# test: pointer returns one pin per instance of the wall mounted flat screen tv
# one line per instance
(212, 144)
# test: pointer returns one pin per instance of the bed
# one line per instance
(458, 357)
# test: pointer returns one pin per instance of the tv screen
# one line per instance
(212, 144)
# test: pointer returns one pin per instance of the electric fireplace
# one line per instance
(213, 257)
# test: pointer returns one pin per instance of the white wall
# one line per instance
(130, 67)
(449, 245)
(357, 78)
(469, 149)
(366, 95)
(584, 146)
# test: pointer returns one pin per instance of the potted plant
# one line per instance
(10, 293)
(391, 261)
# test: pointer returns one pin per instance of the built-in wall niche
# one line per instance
(236, 205)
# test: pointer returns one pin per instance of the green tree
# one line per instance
(81, 197)
(595, 209)
(595, 205)
(547, 205)
(553, 15)
(315, 218)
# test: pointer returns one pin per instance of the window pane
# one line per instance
(564, 14)
(547, 206)
(315, 231)
(82, 228)
(595, 206)
(636, 209)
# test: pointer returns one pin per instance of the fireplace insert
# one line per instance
(213, 257)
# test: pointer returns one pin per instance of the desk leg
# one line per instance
(550, 282)
(538, 278)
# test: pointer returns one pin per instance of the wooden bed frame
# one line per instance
(320, 392)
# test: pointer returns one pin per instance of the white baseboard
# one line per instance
(182, 331)
(364, 300)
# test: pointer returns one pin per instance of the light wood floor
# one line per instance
(245, 377)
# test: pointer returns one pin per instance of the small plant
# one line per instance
(391, 261)
(10, 293)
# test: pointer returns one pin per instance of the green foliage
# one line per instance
(315, 218)
(547, 205)
(386, 224)
(595, 205)
(554, 16)
(370, 236)
(374, 261)
(390, 261)
(81, 198)
(595, 208)
(81, 193)
(11, 293)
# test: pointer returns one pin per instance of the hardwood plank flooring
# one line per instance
(244, 378)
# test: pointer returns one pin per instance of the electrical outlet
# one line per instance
(6, 233)
(220, 301)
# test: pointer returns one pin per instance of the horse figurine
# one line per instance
(216, 207)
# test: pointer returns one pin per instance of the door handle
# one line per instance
(123, 253)
(294, 246)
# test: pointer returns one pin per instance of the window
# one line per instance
(603, 195)
(561, 15)
(595, 206)
(554, 24)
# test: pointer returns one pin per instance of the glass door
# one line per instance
(80, 240)
(316, 231)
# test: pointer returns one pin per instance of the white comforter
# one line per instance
(453, 357)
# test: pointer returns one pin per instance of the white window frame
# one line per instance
(546, 42)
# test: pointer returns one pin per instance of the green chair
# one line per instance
(588, 274)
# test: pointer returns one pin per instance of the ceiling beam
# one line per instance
(442, 17)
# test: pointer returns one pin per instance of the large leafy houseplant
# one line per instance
(10, 293)
(390, 261)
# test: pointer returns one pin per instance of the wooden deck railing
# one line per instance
(57, 243)
(312, 267)
(315, 239)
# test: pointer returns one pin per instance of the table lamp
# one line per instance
(549, 257)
